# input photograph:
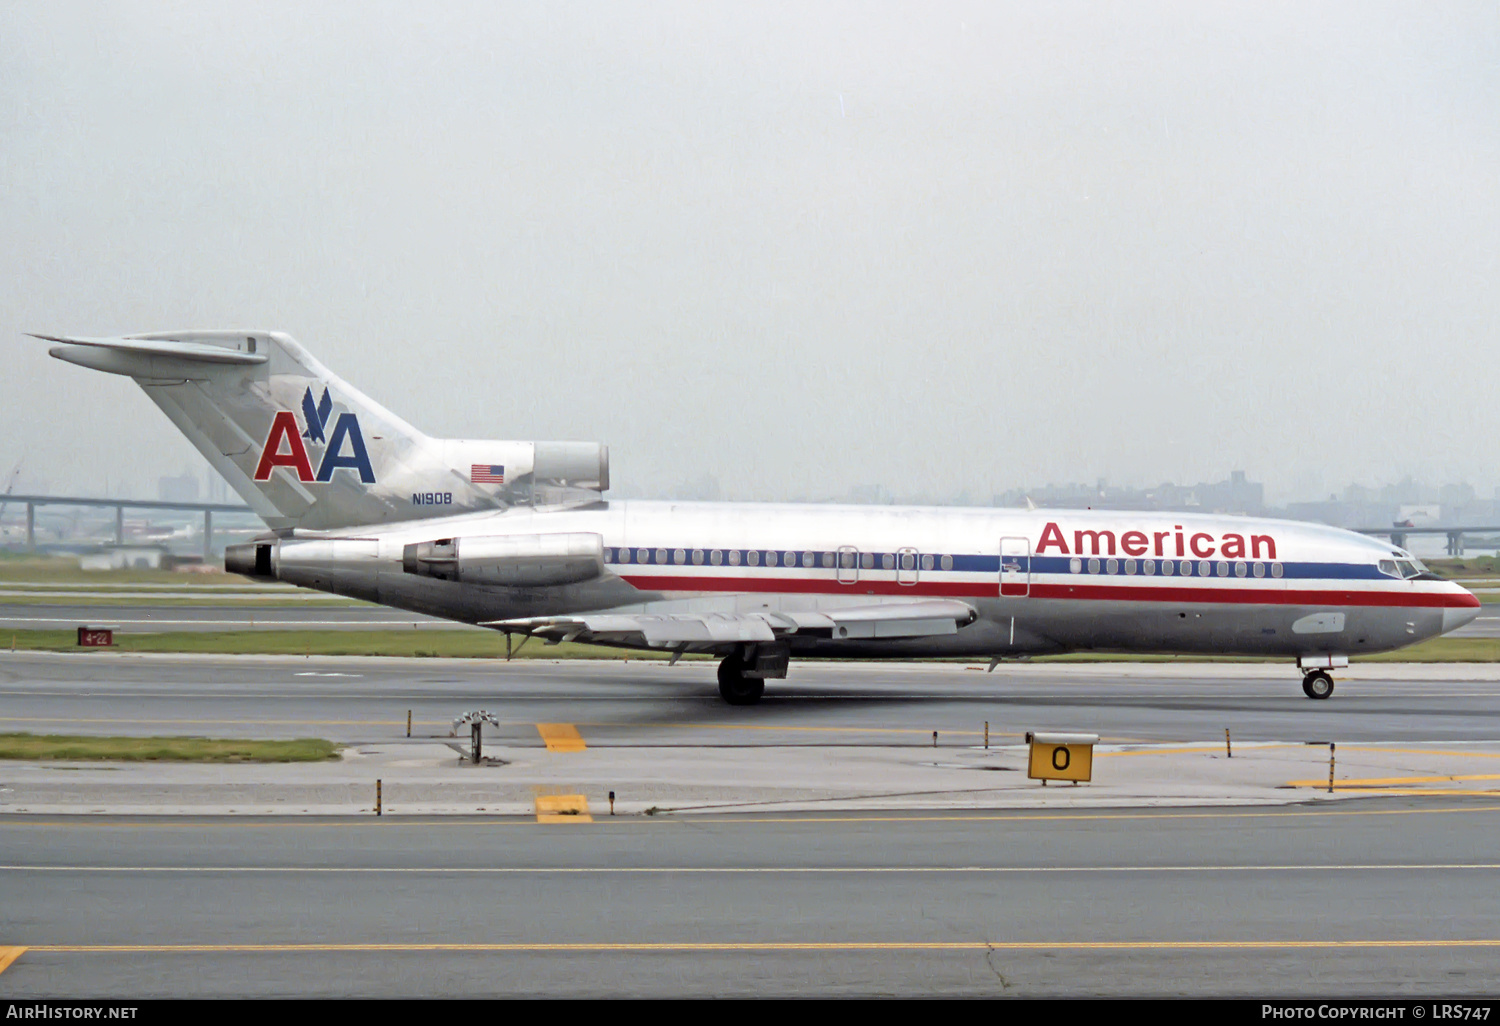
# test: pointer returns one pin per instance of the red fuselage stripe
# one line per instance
(1084, 592)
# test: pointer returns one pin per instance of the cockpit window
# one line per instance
(1406, 565)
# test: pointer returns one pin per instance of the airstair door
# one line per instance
(1015, 567)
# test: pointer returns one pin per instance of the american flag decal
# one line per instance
(487, 473)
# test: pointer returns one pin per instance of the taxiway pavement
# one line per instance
(1389, 897)
(142, 616)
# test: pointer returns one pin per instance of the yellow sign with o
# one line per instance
(1061, 756)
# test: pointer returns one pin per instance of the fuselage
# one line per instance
(1040, 580)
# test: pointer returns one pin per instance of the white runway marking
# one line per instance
(780, 870)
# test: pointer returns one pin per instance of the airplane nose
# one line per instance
(1455, 617)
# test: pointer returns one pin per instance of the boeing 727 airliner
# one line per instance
(517, 536)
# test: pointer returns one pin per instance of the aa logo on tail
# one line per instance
(284, 448)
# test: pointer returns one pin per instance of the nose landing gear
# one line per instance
(1317, 684)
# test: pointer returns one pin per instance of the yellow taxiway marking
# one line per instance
(1393, 781)
(561, 737)
(9, 955)
(697, 946)
(562, 808)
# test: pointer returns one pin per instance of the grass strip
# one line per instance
(162, 749)
(446, 644)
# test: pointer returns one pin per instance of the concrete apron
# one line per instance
(430, 779)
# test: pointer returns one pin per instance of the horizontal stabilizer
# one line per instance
(199, 351)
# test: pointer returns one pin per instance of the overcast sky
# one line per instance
(940, 247)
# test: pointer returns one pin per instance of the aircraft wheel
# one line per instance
(734, 687)
(1317, 685)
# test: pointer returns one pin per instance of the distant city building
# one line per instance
(1236, 495)
(182, 488)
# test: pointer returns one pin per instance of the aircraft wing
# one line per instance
(701, 631)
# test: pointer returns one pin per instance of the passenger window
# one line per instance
(1203, 568)
(908, 560)
(1075, 565)
(643, 555)
(1093, 566)
(1260, 569)
(1112, 567)
(715, 556)
(1275, 569)
(609, 555)
(753, 557)
(771, 559)
(926, 562)
(1148, 566)
(661, 555)
(1130, 567)
(1221, 568)
(827, 559)
(947, 562)
(698, 557)
(867, 560)
(679, 557)
(887, 561)
(1166, 567)
(1240, 569)
(624, 555)
(734, 557)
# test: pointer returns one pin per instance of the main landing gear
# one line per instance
(735, 687)
(1317, 684)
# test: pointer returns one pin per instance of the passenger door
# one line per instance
(1015, 567)
(906, 566)
(848, 564)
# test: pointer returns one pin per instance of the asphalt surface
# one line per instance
(650, 703)
(1379, 897)
(1360, 896)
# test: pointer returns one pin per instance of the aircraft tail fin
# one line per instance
(304, 448)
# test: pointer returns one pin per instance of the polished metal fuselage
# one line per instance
(1042, 581)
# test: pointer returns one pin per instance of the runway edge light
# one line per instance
(1061, 756)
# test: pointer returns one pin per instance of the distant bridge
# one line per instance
(208, 509)
(1455, 535)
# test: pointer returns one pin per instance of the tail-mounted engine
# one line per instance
(513, 560)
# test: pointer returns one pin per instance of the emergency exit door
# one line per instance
(1015, 567)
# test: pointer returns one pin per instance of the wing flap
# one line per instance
(923, 618)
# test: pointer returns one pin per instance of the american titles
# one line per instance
(1175, 543)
